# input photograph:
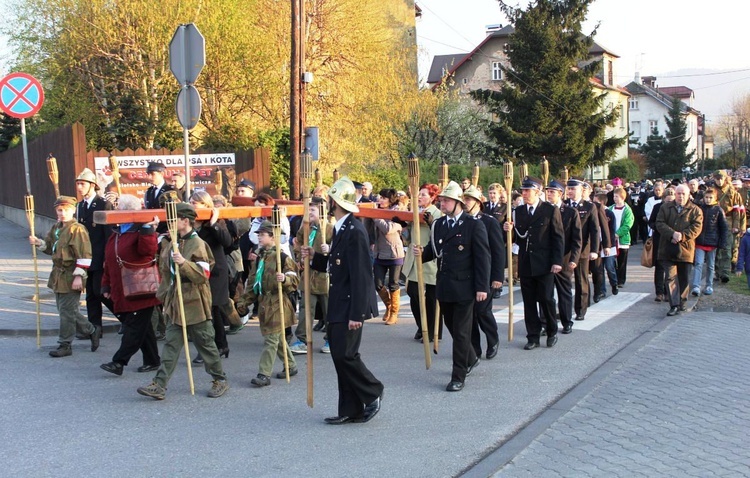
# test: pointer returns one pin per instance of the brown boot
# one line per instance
(383, 292)
(395, 306)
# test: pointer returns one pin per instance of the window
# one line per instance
(497, 72)
(622, 116)
(464, 81)
(635, 130)
(610, 74)
(653, 125)
(633, 103)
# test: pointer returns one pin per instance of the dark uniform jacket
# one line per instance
(218, 239)
(605, 237)
(98, 234)
(589, 227)
(496, 244)
(572, 227)
(352, 288)
(151, 199)
(464, 259)
(540, 239)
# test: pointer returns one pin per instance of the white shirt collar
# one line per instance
(339, 224)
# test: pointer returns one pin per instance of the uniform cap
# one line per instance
(572, 182)
(246, 184)
(153, 166)
(267, 227)
(66, 201)
(474, 193)
(720, 173)
(530, 182)
(186, 211)
(556, 185)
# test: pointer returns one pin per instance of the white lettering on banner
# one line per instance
(174, 160)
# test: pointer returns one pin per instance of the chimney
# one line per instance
(637, 78)
(490, 29)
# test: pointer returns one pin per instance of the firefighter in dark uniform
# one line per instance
(589, 243)
(98, 235)
(541, 242)
(596, 266)
(483, 317)
(352, 301)
(571, 254)
(155, 173)
(459, 242)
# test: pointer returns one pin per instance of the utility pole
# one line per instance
(302, 96)
(295, 134)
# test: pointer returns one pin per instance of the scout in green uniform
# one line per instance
(731, 203)
(318, 279)
(265, 276)
(194, 260)
(68, 244)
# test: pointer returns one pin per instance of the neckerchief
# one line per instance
(57, 238)
(313, 233)
(258, 286)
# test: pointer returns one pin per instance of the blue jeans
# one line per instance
(610, 266)
(701, 256)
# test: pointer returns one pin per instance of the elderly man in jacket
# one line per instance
(679, 222)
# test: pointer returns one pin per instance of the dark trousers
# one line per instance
(94, 298)
(539, 289)
(220, 335)
(678, 281)
(393, 271)
(581, 275)
(358, 387)
(137, 333)
(484, 320)
(622, 265)
(430, 302)
(564, 285)
(659, 272)
(458, 318)
(597, 275)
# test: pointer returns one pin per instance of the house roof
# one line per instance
(659, 95)
(506, 31)
(597, 82)
(442, 64)
(677, 91)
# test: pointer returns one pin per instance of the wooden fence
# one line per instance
(68, 145)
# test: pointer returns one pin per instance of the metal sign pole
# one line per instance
(25, 156)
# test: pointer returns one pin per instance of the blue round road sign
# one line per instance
(21, 95)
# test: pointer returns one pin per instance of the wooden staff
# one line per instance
(53, 174)
(545, 171)
(565, 175)
(442, 175)
(219, 180)
(305, 167)
(508, 172)
(523, 169)
(171, 208)
(416, 238)
(436, 331)
(335, 175)
(29, 199)
(276, 216)
(475, 175)
(318, 178)
(114, 166)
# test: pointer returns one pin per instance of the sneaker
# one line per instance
(218, 388)
(696, 291)
(154, 391)
(64, 350)
(298, 347)
(709, 291)
(325, 349)
(261, 380)
(234, 329)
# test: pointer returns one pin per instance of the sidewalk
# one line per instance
(673, 403)
(17, 307)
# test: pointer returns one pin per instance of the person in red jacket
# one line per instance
(131, 244)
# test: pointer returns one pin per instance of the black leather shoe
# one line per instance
(530, 346)
(112, 367)
(496, 293)
(673, 311)
(148, 368)
(492, 351)
(320, 325)
(95, 337)
(616, 289)
(472, 366)
(597, 298)
(580, 317)
(371, 410)
(567, 329)
(551, 341)
(455, 386)
(659, 298)
(418, 335)
(338, 420)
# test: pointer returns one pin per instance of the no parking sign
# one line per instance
(21, 95)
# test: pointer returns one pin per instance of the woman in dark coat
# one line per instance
(131, 244)
(215, 233)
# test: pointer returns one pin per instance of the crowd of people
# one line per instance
(569, 241)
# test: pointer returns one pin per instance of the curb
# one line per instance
(106, 328)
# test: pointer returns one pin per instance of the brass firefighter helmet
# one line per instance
(344, 194)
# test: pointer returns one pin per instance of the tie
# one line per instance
(451, 223)
(531, 210)
(679, 209)
(575, 204)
